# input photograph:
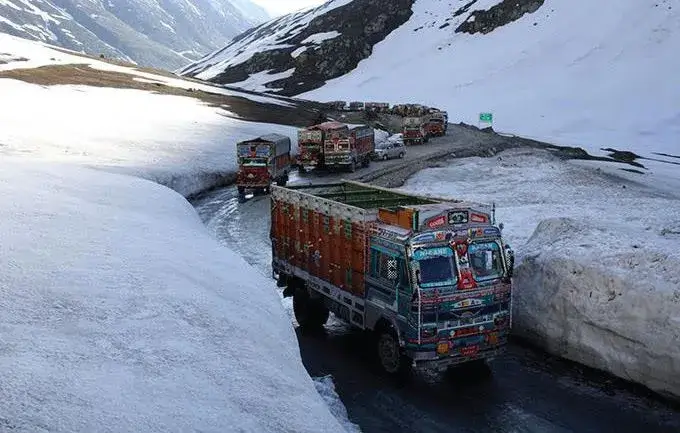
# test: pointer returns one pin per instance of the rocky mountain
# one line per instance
(300, 52)
(159, 33)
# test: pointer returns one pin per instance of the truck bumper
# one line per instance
(433, 361)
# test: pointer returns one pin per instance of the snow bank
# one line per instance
(598, 266)
(575, 72)
(118, 315)
(119, 311)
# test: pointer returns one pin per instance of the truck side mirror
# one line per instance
(511, 262)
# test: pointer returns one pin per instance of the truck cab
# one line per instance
(413, 131)
(437, 124)
(310, 148)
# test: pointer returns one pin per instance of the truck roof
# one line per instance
(325, 126)
(281, 142)
(272, 137)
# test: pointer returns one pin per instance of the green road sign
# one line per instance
(486, 117)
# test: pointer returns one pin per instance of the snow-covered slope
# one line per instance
(576, 72)
(119, 311)
(166, 34)
(296, 52)
(598, 266)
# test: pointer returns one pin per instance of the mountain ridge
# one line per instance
(165, 34)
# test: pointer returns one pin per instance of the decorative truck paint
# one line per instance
(413, 131)
(261, 161)
(346, 146)
(435, 271)
(436, 125)
(310, 147)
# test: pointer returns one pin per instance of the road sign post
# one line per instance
(485, 120)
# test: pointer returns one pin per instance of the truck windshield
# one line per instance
(485, 260)
(254, 162)
(436, 267)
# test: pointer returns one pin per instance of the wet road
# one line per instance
(528, 391)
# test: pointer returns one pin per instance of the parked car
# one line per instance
(390, 149)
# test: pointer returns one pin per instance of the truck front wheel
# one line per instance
(310, 313)
(390, 355)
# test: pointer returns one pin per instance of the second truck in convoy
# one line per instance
(335, 145)
(430, 278)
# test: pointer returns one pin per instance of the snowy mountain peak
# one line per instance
(160, 33)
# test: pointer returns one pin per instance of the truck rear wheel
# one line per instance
(390, 356)
(310, 313)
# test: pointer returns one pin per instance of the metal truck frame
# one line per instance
(410, 269)
(262, 161)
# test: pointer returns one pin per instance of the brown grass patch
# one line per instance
(81, 74)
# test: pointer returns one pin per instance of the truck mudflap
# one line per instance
(430, 360)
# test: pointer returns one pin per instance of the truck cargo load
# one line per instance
(430, 277)
(261, 161)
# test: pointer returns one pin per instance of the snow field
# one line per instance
(597, 273)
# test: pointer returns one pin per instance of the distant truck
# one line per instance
(356, 106)
(377, 107)
(346, 146)
(414, 131)
(310, 147)
(430, 278)
(261, 162)
(436, 124)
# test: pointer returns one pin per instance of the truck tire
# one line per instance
(241, 191)
(390, 356)
(282, 181)
(310, 313)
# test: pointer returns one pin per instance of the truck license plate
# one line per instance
(469, 350)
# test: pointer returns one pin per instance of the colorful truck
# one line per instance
(413, 131)
(436, 124)
(429, 278)
(262, 161)
(310, 147)
(346, 146)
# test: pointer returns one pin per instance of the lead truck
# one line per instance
(429, 278)
(262, 161)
